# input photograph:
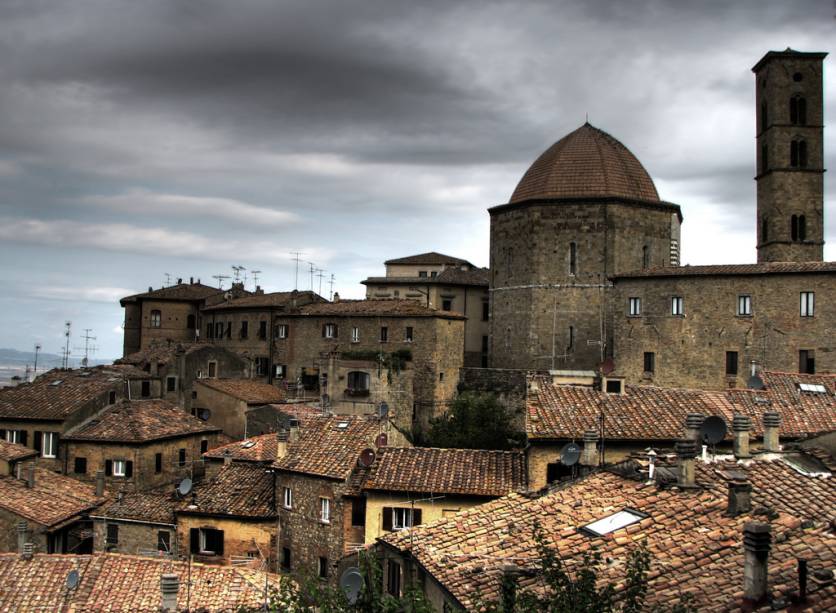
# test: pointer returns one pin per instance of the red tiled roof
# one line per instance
(586, 163)
(450, 276)
(374, 308)
(111, 583)
(325, 449)
(160, 352)
(152, 507)
(56, 394)
(432, 257)
(761, 268)
(138, 421)
(182, 291)
(239, 489)
(472, 472)
(54, 499)
(11, 452)
(248, 390)
(265, 301)
(653, 413)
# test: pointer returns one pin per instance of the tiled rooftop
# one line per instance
(449, 276)
(239, 489)
(471, 472)
(160, 352)
(696, 547)
(12, 452)
(653, 413)
(586, 163)
(58, 393)
(326, 449)
(180, 291)
(761, 268)
(266, 301)
(248, 390)
(54, 499)
(111, 583)
(153, 506)
(433, 257)
(374, 308)
(138, 421)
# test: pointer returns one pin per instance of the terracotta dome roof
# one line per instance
(586, 163)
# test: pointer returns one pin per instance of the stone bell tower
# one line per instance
(790, 155)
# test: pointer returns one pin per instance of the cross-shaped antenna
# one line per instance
(331, 287)
(167, 279)
(254, 274)
(320, 275)
(220, 279)
(237, 273)
(296, 258)
(313, 269)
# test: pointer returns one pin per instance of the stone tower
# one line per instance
(790, 154)
(584, 210)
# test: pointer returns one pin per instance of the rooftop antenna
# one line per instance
(331, 288)
(167, 279)
(255, 274)
(65, 356)
(88, 348)
(320, 275)
(220, 279)
(296, 258)
(312, 270)
(35, 369)
(237, 270)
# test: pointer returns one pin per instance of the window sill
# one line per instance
(744, 315)
(634, 316)
(48, 457)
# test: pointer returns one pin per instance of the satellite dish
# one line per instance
(366, 458)
(570, 454)
(185, 487)
(607, 366)
(755, 383)
(227, 295)
(713, 430)
(72, 580)
(382, 440)
(383, 410)
(351, 582)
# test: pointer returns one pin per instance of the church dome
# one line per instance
(586, 163)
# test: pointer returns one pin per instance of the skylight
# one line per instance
(247, 444)
(342, 425)
(814, 388)
(614, 522)
(55, 383)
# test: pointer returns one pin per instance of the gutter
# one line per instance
(132, 521)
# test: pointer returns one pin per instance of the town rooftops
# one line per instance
(469, 472)
(695, 545)
(52, 501)
(449, 276)
(160, 352)
(330, 446)
(373, 308)
(180, 292)
(239, 490)
(432, 258)
(58, 393)
(12, 452)
(247, 390)
(653, 413)
(154, 507)
(138, 421)
(273, 300)
(115, 582)
(721, 270)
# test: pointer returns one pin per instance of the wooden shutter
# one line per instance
(416, 517)
(38, 440)
(109, 467)
(129, 469)
(24, 435)
(336, 331)
(194, 540)
(387, 518)
(220, 545)
(3, 433)
(323, 330)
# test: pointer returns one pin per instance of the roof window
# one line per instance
(614, 522)
(56, 383)
(247, 444)
(343, 425)
(813, 388)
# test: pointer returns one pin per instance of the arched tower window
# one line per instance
(764, 230)
(798, 111)
(802, 227)
(802, 154)
(764, 118)
(573, 258)
(764, 158)
(645, 257)
(794, 227)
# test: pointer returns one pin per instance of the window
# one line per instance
(280, 371)
(358, 511)
(764, 118)
(281, 331)
(807, 361)
(145, 392)
(245, 329)
(213, 370)
(323, 568)
(262, 366)
(325, 510)
(441, 376)
(329, 331)
(433, 274)
(190, 322)
(573, 258)
(422, 274)
(802, 228)
(744, 305)
(808, 304)
(764, 230)
(210, 331)
(408, 334)
(813, 388)
(764, 158)
(393, 578)
(204, 446)
(181, 457)
(613, 522)
(486, 311)
(164, 541)
(156, 319)
(80, 466)
(228, 332)
(401, 519)
(571, 345)
(358, 383)
(384, 334)
(355, 334)
(635, 305)
(645, 257)
(112, 535)
(119, 468)
(794, 227)
(731, 363)
(111, 397)
(649, 362)
(286, 558)
(798, 111)
(677, 305)
(158, 463)
(210, 542)
(219, 330)
(16, 436)
(262, 330)
(798, 154)
(50, 445)
(171, 384)
(287, 497)
(447, 304)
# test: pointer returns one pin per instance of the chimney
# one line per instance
(28, 551)
(227, 456)
(294, 431)
(22, 527)
(741, 424)
(771, 429)
(687, 451)
(589, 455)
(191, 280)
(179, 280)
(740, 497)
(169, 586)
(30, 476)
(281, 444)
(336, 297)
(693, 423)
(100, 483)
(756, 544)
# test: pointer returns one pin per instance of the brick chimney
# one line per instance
(693, 423)
(294, 431)
(756, 544)
(589, 455)
(22, 527)
(227, 456)
(771, 430)
(741, 424)
(30, 476)
(169, 586)
(740, 497)
(336, 297)
(281, 444)
(100, 483)
(687, 451)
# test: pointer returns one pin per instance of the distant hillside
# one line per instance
(13, 357)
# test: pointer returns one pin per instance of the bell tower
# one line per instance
(790, 156)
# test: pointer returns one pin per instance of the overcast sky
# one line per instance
(182, 137)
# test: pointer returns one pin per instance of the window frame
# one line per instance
(649, 358)
(52, 445)
(808, 304)
(281, 331)
(171, 383)
(408, 334)
(744, 305)
(732, 363)
(79, 461)
(330, 330)
(287, 497)
(123, 464)
(355, 334)
(677, 306)
(403, 524)
(634, 306)
(324, 510)
(156, 318)
(384, 334)
(446, 304)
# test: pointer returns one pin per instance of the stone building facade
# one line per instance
(225, 402)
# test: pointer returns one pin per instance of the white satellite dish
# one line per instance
(351, 582)
(72, 579)
(184, 487)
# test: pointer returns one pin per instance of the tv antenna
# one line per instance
(320, 275)
(220, 279)
(88, 347)
(35, 369)
(236, 272)
(254, 274)
(313, 269)
(167, 279)
(65, 355)
(331, 288)
(296, 258)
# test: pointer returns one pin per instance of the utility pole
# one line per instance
(331, 288)
(255, 274)
(65, 361)
(35, 370)
(296, 258)
(88, 348)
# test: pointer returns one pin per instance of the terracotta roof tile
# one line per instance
(478, 277)
(431, 257)
(248, 390)
(181, 291)
(239, 489)
(271, 300)
(160, 352)
(374, 308)
(137, 421)
(761, 268)
(152, 507)
(54, 499)
(111, 583)
(473, 472)
(12, 452)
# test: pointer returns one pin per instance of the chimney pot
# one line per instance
(741, 424)
(169, 586)
(179, 280)
(28, 551)
(771, 431)
(191, 280)
(693, 423)
(740, 498)
(294, 431)
(30, 476)
(22, 527)
(100, 483)
(227, 456)
(756, 545)
(281, 444)
(150, 289)
(336, 297)
(687, 451)
(589, 454)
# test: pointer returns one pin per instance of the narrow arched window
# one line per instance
(573, 258)
(764, 118)
(802, 227)
(794, 111)
(156, 319)
(794, 227)
(802, 154)
(764, 230)
(798, 111)
(764, 158)
(794, 154)
(645, 257)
